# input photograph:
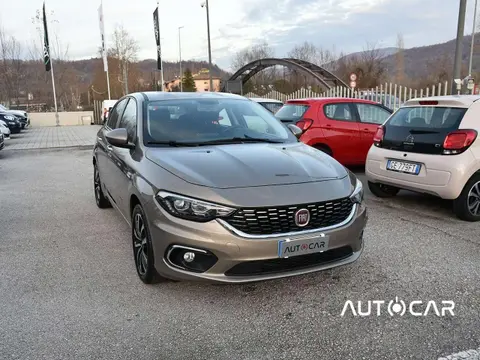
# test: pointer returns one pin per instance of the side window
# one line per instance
(224, 119)
(129, 119)
(116, 113)
(338, 111)
(372, 114)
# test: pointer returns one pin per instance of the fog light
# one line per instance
(189, 256)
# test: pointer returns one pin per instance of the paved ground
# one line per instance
(53, 137)
(68, 287)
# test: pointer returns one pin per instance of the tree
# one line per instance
(188, 82)
(256, 52)
(125, 50)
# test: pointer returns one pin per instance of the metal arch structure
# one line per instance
(326, 78)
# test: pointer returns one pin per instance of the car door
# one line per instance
(341, 131)
(370, 116)
(122, 158)
(104, 153)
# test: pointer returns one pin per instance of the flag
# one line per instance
(157, 38)
(46, 47)
(102, 35)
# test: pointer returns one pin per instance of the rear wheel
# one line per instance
(467, 205)
(325, 149)
(382, 190)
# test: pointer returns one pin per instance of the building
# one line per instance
(202, 83)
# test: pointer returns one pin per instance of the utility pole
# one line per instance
(209, 45)
(457, 67)
(180, 56)
(473, 38)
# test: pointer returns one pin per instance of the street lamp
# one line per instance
(180, 56)
(205, 4)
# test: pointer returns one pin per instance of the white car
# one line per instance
(15, 112)
(270, 104)
(430, 145)
(4, 130)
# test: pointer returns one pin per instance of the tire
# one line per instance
(382, 190)
(100, 198)
(143, 249)
(467, 206)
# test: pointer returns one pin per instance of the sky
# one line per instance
(339, 25)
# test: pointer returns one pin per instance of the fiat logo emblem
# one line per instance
(302, 217)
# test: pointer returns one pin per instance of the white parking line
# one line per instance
(463, 355)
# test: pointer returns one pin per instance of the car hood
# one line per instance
(247, 165)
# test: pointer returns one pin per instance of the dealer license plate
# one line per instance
(288, 248)
(405, 167)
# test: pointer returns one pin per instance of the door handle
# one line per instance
(109, 148)
(99, 138)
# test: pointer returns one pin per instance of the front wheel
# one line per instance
(142, 248)
(382, 190)
(100, 198)
(467, 205)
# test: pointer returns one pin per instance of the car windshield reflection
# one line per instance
(188, 122)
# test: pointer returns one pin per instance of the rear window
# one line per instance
(291, 112)
(271, 106)
(428, 117)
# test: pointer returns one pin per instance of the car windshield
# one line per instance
(291, 112)
(209, 121)
(427, 117)
(3, 108)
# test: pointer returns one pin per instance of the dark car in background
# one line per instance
(20, 114)
(12, 122)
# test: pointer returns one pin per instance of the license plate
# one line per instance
(288, 248)
(405, 167)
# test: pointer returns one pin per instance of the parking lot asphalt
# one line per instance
(69, 290)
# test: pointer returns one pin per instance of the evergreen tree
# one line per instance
(188, 82)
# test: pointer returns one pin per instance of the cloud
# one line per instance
(345, 25)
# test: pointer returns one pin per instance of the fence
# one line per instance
(389, 94)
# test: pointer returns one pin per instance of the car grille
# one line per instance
(281, 219)
(272, 266)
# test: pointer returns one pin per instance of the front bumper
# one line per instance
(237, 256)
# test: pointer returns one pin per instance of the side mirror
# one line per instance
(295, 130)
(119, 138)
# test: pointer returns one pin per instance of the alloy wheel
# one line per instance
(140, 245)
(473, 199)
(96, 183)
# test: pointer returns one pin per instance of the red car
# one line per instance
(341, 127)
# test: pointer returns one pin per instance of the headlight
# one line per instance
(9, 117)
(357, 194)
(191, 209)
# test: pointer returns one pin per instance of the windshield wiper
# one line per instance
(237, 140)
(171, 143)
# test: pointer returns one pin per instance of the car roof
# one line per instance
(266, 100)
(164, 95)
(446, 100)
(333, 99)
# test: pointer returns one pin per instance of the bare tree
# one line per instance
(125, 49)
(12, 75)
(259, 82)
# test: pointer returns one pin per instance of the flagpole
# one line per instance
(160, 39)
(104, 47)
(49, 63)
(57, 120)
